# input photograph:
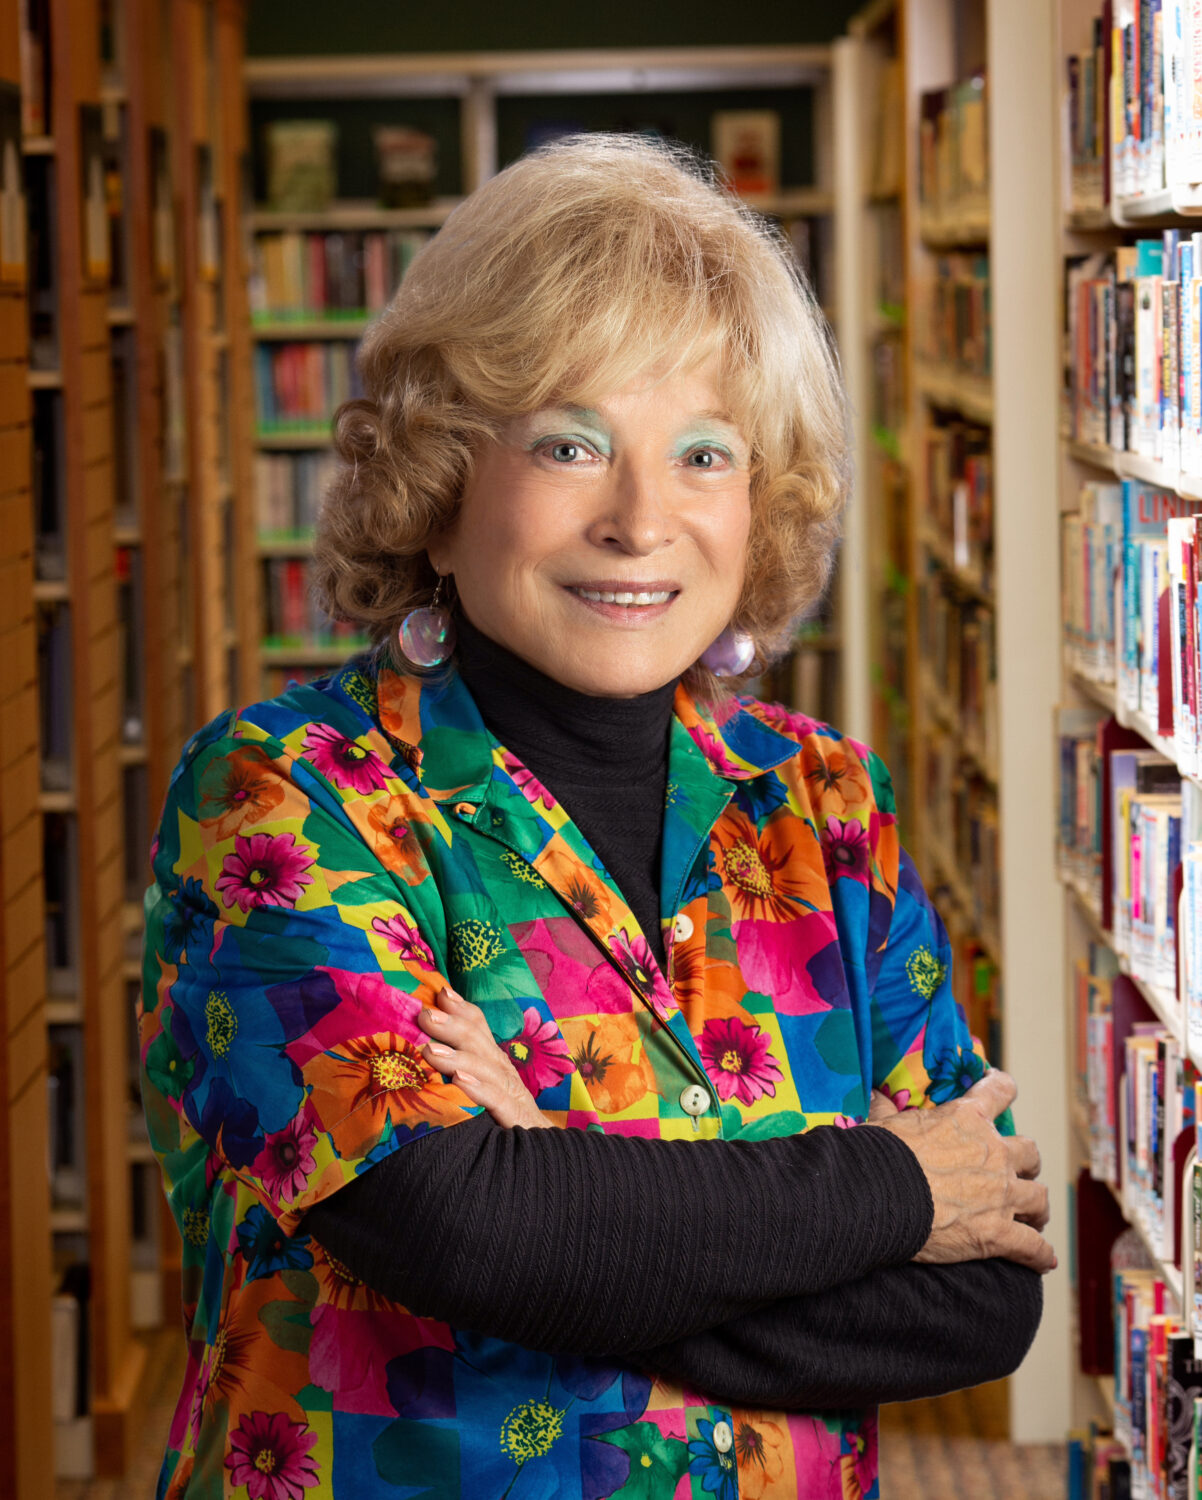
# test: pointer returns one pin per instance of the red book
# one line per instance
(1164, 665)
(1099, 1223)
(315, 245)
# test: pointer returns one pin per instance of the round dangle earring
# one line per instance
(427, 635)
(731, 654)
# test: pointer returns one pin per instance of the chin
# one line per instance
(619, 681)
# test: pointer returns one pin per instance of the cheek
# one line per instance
(727, 540)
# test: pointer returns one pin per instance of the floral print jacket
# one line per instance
(325, 862)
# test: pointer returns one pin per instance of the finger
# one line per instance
(880, 1106)
(1024, 1155)
(995, 1092)
(1026, 1247)
(1031, 1203)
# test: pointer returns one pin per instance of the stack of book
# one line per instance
(301, 385)
(953, 329)
(329, 274)
(1091, 542)
(1155, 109)
(289, 488)
(1134, 370)
(294, 618)
(958, 494)
(1086, 81)
(953, 158)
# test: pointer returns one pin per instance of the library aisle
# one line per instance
(998, 205)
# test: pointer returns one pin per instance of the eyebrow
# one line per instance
(586, 413)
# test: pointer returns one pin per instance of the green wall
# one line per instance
(319, 26)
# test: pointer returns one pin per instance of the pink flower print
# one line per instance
(266, 869)
(404, 940)
(737, 1058)
(286, 1160)
(635, 959)
(526, 781)
(845, 850)
(899, 1098)
(539, 1053)
(797, 725)
(270, 1456)
(345, 762)
(714, 751)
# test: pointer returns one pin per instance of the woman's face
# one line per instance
(606, 546)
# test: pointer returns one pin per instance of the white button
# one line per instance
(723, 1437)
(682, 928)
(694, 1100)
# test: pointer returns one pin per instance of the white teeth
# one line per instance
(599, 596)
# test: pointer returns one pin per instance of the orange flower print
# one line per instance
(698, 980)
(237, 790)
(836, 779)
(361, 1085)
(608, 1055)
(390, 833)
(339, 1287)
(572, 880)
(243, 1365)
(765, 877)
(761, 1449)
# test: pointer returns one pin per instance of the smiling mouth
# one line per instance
(631, 599)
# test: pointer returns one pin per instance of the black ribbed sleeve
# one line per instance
(894, 1335)
(574, 1241)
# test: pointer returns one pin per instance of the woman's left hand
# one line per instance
(463, 1047)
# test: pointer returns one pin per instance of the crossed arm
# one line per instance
(776, 1273)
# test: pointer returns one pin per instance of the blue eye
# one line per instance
(702, 458)
(564, 453)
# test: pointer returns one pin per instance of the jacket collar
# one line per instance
(438, 737)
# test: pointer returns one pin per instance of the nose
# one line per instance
(634, 515)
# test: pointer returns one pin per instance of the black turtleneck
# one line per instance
(769, 1273)
(605, 760)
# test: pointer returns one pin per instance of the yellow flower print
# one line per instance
(926, 972)
(531, 1430)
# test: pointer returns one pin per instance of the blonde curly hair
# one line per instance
(583, 265)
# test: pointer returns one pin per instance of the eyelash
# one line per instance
(549, 444)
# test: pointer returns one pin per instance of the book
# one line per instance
(746, 145)
(301, 164)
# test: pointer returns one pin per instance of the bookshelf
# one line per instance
(304, 342)
(979, 545)
(1129, 482)
(878, 382)
(26, 1286)
(126, 587)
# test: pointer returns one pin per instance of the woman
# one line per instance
(601, 411)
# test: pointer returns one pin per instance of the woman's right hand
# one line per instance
(462, 1047)
(986, 1201)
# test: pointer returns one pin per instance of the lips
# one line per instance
(626, 603)
(624, 596)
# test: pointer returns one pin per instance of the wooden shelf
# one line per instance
(308, 656)
(970, 395)
(118, 362)
(965, 580)
(300, 546)
(584, 71)
(294, 440)
(1133, 719)
(352, 215)
(312, 328)
(1089, 221)
(955, 231)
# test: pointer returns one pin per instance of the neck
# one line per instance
(618, 739)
